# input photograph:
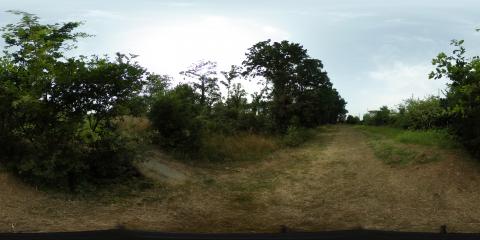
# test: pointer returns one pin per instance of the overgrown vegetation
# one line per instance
(296, 94)
(66, 121)
(57, 113)
(457, 112)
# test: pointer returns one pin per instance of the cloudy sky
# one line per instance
(376, 52)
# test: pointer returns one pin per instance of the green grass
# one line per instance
(431, 138)
(401, 147)
(436, 138)
(394, 154)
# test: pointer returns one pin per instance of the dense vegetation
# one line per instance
(458, 111)
(60, 116)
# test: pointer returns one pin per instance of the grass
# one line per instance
(331, 182)
(239, 147)
(401, 147)
(400, 155)
(432, 138)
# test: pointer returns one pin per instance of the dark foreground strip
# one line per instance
(337, 235)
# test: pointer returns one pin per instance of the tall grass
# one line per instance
(239, 147)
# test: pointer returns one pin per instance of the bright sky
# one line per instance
(376, 52)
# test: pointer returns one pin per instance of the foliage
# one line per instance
(295, 136)
(64, 120)
(352, 119)
(230, 76)
(421, 114)
(463, 93)
(56, 113)
(378, 118)
(295, 84)
(205, 82)
(176, 118)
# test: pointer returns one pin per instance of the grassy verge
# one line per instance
(398, 146)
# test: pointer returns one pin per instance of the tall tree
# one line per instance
(59, 111)
(300, 90)
(230, 76)
(205, 81)
(463, 93)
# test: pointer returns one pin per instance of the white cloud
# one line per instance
(177, 4)
(170, 47)
(95, 14)
(390, 84)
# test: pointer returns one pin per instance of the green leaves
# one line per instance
(463, 92)
(56, 114)
(300, 87)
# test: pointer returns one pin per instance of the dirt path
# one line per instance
(333, 182)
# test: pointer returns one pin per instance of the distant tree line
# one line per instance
(59, 115)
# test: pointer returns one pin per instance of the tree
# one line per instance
(157, 84)
(175, 116)
(58, 115)
(353, 119)
(300, 89)
(206, 82)
(463, 94)
(235, 72)
(379, 117)
(421, 114)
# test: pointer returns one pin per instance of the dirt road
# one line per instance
(332, 182)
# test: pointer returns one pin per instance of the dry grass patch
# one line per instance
(239, 147)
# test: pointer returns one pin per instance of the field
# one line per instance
(345, 177)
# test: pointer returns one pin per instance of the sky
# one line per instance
(376, 52)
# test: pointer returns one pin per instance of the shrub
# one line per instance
(176, 119)
(421, 114)
(352, 119)
(295, 136)
(463, 94)
(56, 112)
(88, 158)
(379, 117)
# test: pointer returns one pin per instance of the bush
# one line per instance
(87, 159)
(378, 118)
(463, 94)
(295, 136)
(352, 119)
(56, 112)
(176, 119)
(421, 114)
